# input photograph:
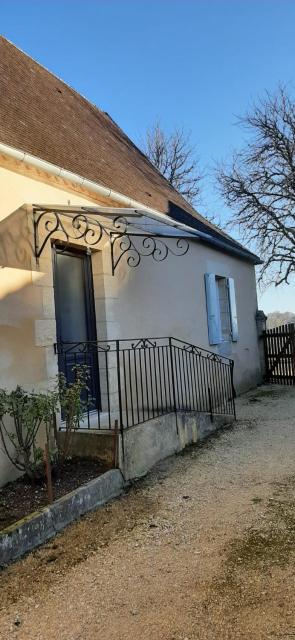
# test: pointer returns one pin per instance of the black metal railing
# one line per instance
(135, 380)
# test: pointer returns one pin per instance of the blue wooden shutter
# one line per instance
(233, 309)
(213, 312)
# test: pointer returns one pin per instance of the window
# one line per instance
(224, 308)
(221, 309)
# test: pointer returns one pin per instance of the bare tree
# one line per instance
(259, 185)
(174, 156)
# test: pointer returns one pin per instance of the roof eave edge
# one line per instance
(75, 178)
(237, 251)
(106, 192)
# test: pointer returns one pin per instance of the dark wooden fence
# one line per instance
(279, 345)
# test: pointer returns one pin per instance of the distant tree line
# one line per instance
(276, 319)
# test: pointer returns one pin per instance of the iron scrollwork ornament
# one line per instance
(135, 246)
(77, 227)
(123, 243)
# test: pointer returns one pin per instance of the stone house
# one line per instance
(104, 263)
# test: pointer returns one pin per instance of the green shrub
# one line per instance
(22, 413)
(27, 411)
(72, 404)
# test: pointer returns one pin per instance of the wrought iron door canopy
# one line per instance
(78, 223)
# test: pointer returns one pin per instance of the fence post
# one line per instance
(173, 382)
(261, 336)
(119, 394)
(267, 370)
(292, 331)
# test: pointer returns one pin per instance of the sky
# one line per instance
(197, 64)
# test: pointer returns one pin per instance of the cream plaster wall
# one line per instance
(168, 299)
(17, 189)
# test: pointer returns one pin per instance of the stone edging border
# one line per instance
(40, 526)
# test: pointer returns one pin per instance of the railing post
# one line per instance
(119, 394)
(173, 381)
(210, 404)
(115, 452)
(232, 387)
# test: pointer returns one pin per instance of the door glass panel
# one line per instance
(75, 323)
(70, 290)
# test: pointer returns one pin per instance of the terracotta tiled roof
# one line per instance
(41, 115)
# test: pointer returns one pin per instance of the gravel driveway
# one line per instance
(201, 548)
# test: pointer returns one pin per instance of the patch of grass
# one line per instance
(273, 542)
(256, 500)
(247, 424)
(263, 393)
(272, 546)
(269, 544)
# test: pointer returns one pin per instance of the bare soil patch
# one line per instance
(22, 497)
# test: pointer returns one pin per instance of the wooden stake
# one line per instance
(48, 474)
